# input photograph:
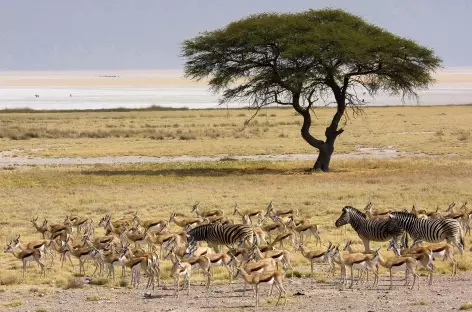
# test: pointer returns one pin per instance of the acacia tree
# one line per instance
(297, 59)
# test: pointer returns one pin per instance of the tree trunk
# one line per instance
(325, 148)
(324, 158)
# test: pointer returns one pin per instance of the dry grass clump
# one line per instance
(99, 281)
(421, 303)
(123, 283)
(466, 306)
(75, 282)
(9, 279)
(14, 303)
(94, 298)
(37, 290)
(463, 135)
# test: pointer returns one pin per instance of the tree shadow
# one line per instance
(197, 172)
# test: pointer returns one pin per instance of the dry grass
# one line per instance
(94, 298)
(74, 282)
(14, 303)
(9, 279)
(431, 130)
(466, 306)
(421, 303)
(155, 190)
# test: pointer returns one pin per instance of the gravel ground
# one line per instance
(447, 293)
(9, 159)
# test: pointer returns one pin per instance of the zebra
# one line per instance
(430, 230)
(221, 234)
(370, 230)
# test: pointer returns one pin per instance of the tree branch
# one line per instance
(276, 100)
(246, 123)
(305, 130)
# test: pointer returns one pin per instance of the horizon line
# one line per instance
(152, 69)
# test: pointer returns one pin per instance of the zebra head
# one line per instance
(344, 218)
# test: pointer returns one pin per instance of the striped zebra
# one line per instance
(430, 230)
(370, 230)
(221, 234)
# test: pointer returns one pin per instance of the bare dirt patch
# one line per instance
(305, 294)
(9, 159)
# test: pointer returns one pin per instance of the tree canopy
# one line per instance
(297, 59)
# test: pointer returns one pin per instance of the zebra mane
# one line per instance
(355, 210)
(404, 214)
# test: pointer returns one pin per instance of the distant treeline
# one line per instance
(119, 109)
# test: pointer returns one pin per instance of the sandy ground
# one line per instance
(10, 159)
(447, 293)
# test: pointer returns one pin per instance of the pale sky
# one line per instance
(146, 34)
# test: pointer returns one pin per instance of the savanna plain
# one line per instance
(436, 170)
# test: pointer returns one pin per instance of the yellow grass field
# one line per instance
(156, 190)
(430, 130)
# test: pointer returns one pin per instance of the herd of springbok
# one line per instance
(142, 245)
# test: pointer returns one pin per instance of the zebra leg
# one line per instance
(366, 243)
(458, 245)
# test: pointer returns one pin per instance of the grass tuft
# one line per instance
(9, 279)
(421, 303)
(463, 135)
(296, 273)
(14, 303)
(466, 306)
(99, 281)
(93, 298)
(75, 283)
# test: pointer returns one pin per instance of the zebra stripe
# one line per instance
(221, 234)
(370, 230)
(431, 230)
